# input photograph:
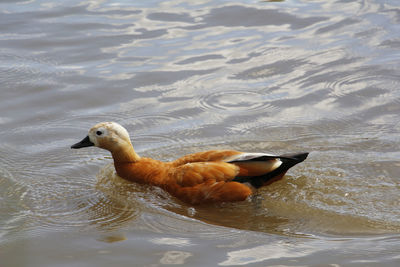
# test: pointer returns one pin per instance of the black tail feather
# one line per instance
(299, 157)
(289, 160)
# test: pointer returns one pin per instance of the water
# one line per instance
(285, 76)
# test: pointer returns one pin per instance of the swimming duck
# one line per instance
(203, 177)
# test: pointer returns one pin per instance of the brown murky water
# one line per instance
(279, 76)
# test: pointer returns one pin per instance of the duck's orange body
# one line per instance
(204, 177)
(197, 178)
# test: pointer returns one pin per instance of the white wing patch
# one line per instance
(255, 164)
(249, 156)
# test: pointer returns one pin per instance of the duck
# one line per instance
(203, 177)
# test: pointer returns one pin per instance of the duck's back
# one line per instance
(206, 156)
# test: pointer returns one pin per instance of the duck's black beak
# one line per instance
(84, 143)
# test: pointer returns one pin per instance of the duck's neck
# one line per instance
(125, 154)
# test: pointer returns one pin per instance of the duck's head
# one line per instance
(107, 135)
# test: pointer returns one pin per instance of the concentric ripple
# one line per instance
(235, 101)
(62, 205)
(40, 197)
(362, 82)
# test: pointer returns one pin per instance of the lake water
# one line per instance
(185, 76)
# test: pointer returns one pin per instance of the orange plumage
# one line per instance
(204, 177)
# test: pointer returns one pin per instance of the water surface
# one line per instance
(284, 76)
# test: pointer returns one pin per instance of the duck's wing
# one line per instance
(191, 174)
(204, 182)
(226, 165)
(230, 178)
(221, 165)
(255, 164)
(259, 169)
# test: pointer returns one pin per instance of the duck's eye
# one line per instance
(99, 133)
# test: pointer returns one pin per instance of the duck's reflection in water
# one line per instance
(117, 207)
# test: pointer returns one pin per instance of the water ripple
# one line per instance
(45, 194)
(185, 77)
(243, 16)
(235, 102)
(363, 82)
(33, 69)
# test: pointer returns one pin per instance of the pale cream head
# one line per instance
(110, 136)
